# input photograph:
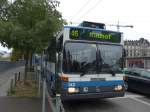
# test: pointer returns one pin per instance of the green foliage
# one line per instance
(16, 55)
(3, 9)
(29, 25)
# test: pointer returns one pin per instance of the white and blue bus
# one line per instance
(89, 63)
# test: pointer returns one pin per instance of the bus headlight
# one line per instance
(73, 90)
(118, 88)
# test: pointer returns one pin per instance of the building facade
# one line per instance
(137, 53)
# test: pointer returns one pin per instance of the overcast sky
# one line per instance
(127, 12)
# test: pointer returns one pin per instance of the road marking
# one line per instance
(135, 98)
(129, 96)
(141, 101)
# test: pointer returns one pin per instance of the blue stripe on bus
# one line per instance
(92, 83)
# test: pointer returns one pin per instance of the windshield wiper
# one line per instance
(83, 73)
(112, 71)
(83, 69)
(115, 69)
(109, 68)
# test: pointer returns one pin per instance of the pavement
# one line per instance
(17, 104)
(132, 102)
(22, 104)
(5, 79)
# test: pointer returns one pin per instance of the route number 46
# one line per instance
(74, 33)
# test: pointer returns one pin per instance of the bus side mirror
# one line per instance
(124, 53)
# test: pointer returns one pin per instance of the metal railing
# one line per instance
(55, 103)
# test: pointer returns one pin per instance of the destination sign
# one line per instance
(95, 35)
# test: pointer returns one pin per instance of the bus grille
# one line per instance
(96, 89)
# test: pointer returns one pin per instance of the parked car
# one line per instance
(138, 80)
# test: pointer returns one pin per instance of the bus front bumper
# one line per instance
(92, 95)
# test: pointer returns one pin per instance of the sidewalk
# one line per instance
(5, 79)
(17, 104)
(22, 104)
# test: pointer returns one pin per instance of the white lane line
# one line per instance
(134, 96)
(141, 101)
(129, 96)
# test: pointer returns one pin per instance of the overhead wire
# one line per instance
(80, 10)
(90, 9)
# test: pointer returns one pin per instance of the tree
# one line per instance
(3, 6)
(29, 25)
(16, 55)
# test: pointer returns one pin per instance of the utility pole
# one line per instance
(118, 26)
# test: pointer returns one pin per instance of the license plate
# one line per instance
(98, 79)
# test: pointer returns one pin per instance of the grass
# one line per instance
(24, 89)
(4, 58)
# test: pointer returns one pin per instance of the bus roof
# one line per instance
(80, 27)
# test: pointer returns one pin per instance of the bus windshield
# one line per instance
(110, 58)
(78, 57)
(91, 58)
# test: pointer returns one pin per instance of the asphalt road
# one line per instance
(132, 102)
(7, 65)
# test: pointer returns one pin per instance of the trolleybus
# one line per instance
(89, 62)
